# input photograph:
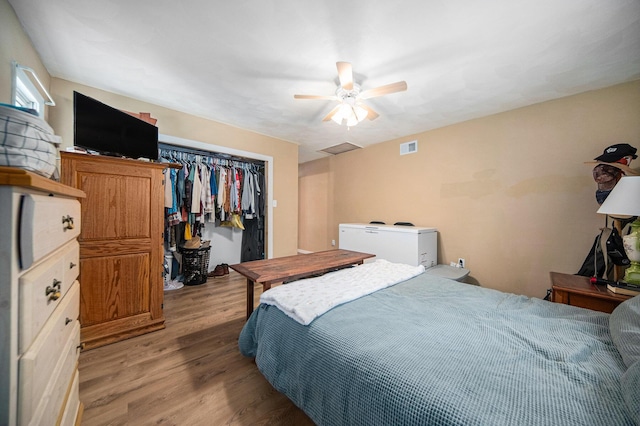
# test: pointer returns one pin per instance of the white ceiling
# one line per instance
(240, 62)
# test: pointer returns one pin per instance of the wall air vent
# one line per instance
(408, 147)
(340, 148)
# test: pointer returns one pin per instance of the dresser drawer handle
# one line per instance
(67, 221)
(67, 320)
(72, 265)
(53, 291)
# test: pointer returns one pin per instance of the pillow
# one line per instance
(624, 325)
(27, 141)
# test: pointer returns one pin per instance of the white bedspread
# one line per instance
(309, 298)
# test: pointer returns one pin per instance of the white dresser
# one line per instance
(39, 300)
(412, 245)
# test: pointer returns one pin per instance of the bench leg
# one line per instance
(250, 285)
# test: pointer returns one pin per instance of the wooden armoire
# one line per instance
(121, 245)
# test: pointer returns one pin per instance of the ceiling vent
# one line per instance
(408, 147)
(340, 148)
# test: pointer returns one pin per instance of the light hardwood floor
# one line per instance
(190, 373)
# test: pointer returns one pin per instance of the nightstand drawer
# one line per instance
(576, 290)
(585, 301)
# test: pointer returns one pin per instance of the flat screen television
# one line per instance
(109, 131)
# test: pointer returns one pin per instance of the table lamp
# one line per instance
(624, 202)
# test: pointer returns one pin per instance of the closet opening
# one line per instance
(218, 207)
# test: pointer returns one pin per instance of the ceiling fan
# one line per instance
(351, 110)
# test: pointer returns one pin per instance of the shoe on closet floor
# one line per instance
(218, 271)
(225, 266)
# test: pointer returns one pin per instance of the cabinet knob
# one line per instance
(72, 265)
(81, 346)
(67, 221)
(67, 320)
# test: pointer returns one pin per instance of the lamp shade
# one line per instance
(624, 199)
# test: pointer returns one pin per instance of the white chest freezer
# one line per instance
(412, 245)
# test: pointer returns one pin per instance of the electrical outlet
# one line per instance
(461, 262)
(333, 242)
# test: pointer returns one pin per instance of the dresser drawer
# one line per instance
(52, 355)
(71, 264)
(45, 223)
(72, 403)
(54, 399)
(42, 289)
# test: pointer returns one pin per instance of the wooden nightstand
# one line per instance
(576, 290)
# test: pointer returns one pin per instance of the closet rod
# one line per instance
(219, 155)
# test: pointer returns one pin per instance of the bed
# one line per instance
(424, 350)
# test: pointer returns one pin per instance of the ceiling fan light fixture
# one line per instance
(350, 109)
(360, 112)
(352, 114)
(342, 113)
(352, 121)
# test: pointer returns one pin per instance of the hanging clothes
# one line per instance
(222, 193)
(173, 215)
(208, 189)
(248, 199)
(206, 198)
(196, 188)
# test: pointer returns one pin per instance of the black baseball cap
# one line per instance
(615, 152)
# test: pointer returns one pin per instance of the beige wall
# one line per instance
(510, 193)
(15, 45)
(174, 123)
(315, 206)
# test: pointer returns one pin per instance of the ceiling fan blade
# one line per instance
(332, 113)
(384, 90)
(345, 74)
(329, 98)
(372, 115)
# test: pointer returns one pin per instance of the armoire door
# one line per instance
(120, 246)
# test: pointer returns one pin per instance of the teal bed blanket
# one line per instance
(432, 351)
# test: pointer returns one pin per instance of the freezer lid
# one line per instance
(390, 228)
